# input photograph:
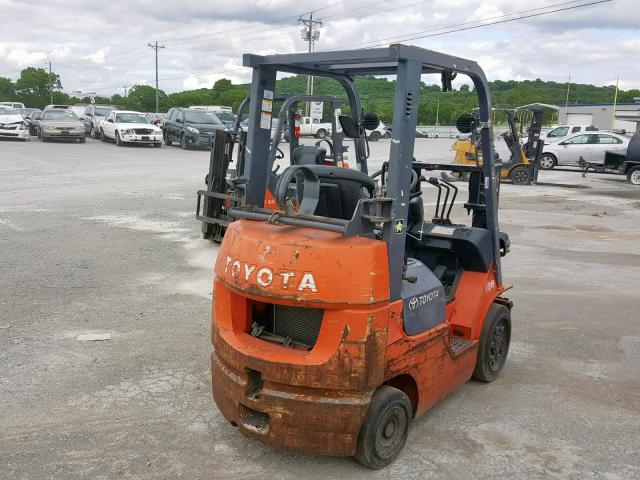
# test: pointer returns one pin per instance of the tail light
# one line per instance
(296, 125)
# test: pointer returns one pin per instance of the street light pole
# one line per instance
(156, 47)
(50, 85)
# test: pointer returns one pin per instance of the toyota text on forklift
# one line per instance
(344, 313)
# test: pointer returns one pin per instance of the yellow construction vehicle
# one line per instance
(522, 166)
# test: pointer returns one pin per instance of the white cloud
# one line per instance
(20, 57)
(98, 57)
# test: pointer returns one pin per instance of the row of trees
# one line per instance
(377, 94)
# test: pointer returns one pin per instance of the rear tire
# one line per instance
(321, 133)
(520, 175)
(385, 428)
(494, 343)
(547, 161)
(634, 176)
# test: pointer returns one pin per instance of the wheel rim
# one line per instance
(391, 432)
(635, 177)
(498, 345)
(546, 162)
(520, 176)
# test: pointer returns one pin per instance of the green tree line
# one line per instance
(377, 95)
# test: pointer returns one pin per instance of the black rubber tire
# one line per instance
(633, 176)
(83, 139)
(385, 428)
(183, 142)
(167, 142)
(39, 133)
(375, 136)
(119, 142)
(520, 175)
(321, 133)
(92, 132)
(550, 162)
(102, 135)
(494, 343)
(387, 135)
(43, 138)
(157, 144)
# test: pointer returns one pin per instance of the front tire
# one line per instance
(494, 343)
(520, 175)
(547, 161)
(165, 136)
(385, 428)
(183, 142)
(103, 137)
(634, 176)
(119, 142)
(375, 136)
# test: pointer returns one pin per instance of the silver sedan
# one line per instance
(591, 147)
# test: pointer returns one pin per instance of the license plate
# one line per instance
(64, 132)
(145, 138)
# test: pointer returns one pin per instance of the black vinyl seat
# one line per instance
(309, 155)
(340, 190)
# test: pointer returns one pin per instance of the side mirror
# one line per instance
(370, 121)
(349, 127)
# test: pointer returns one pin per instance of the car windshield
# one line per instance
(102, 111)
(9, 111)
(59, 115)
(226, 116)
(194, 116)
(131, 118)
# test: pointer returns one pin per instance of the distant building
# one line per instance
(599, 114)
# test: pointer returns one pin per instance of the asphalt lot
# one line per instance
(100, 239)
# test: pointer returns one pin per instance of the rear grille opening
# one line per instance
(294, 327)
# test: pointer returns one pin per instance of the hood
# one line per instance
(206, 127)
(9, 119)
(62, 123)
(125, 126)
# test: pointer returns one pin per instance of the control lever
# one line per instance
(453, 199)
(434, 181)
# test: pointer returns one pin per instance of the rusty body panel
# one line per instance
(315, 400)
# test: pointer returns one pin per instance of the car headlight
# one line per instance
(193, 130)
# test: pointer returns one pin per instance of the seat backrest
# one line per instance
(340, 190)
(309, 155)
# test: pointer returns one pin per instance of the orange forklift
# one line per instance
(344, 313)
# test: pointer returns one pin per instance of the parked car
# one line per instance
(190, 127)
(591, 147)
(92, 115)
(32, 121)
(57, 123)
(125, 126)
(57, 106)
(559, 132)
(12, 125)
(313, 126)
(381, 132)
(25, 112)
(156, 118)
(16, 105)
(79, 110)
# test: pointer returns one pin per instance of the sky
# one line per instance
(98, 46)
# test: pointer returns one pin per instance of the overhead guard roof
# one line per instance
(366, 61)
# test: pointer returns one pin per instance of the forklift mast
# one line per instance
(408, 63)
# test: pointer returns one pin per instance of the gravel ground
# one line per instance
(100, 239)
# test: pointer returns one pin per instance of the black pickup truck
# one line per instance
(190, 128)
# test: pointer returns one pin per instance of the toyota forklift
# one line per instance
(347, 311)
(522, 167)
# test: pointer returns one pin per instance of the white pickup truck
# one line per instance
(313, 126)
(560, 132)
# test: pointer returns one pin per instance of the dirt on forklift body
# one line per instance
(345, 313)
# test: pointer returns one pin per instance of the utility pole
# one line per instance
(50, 85)
(124, 88)
(310, 33)
(566, 102)
(156, 47)
(615, 102)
